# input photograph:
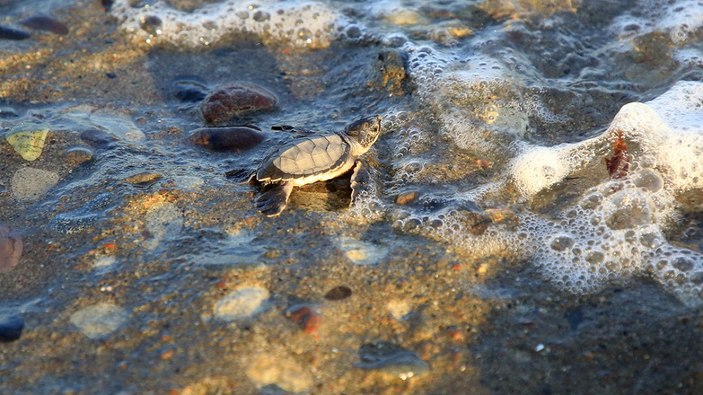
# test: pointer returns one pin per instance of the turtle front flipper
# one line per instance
(274, 198)
(359, 181)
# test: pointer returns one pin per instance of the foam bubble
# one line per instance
(304, 24)
(681, 20)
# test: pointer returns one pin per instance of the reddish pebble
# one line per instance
(10, 249)
(239, 138)
(307, 319)
(235, 100)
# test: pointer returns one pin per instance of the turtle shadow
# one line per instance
(332, 195)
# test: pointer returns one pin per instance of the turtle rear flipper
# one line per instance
(274, 198)
(241, 176)
(360, 181)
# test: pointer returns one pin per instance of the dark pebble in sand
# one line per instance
(338, 293)
(10, 249)
(236, 138)
(189, 91)
(11, 328)
(235, 100)
(9, 33)
(98, 138)
(107, 4)
(143, 179)
(46, 23)
(151, 24)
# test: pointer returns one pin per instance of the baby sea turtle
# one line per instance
(310, 159)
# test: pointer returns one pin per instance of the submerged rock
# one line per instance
(391, 360)
(29, 184)
(278, 370)
(10, 249)
(28, 140)
(143, 179)
(46, 23)
(361, 252)
(241, 303)
(227, 139)
(163, 221)
(235, 100)
(11, 328)
(99, 320)
(77, 156)
(9, 33)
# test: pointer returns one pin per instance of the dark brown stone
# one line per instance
(235, 100)
(338, 293)
(238, 138)
(46, 23)
(405, 198)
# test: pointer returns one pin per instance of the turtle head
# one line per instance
(364, 131)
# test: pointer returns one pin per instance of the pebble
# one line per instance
(46, 23)
(235, 100)
(405, 198)
(77, 156)
(11, 328)
(306, 317)
(338, 293)
(99, 320)
(143, 180)
(242, 303)
(398, 308)
(391, 360)
(29, 144)
(9, 33)
(29, 184)
(361, 252)
(238, 138)
(279, 370)
(163, 221)
(10, 249)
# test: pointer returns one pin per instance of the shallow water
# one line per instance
(493, 247)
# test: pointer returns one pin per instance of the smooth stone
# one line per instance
(99, 320)
(234, 100)
(279, 370)
(10, 249)
(29, 184)
(29, 144)
(361, 252)
(238, 138)
(398, 308)
(163, 221)
(9, 33)
(77, 156)
(46, 23)
(405, 198)
(11, 328)
(144, 179)
(391, 360)
(242, 303)
(338, 293)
